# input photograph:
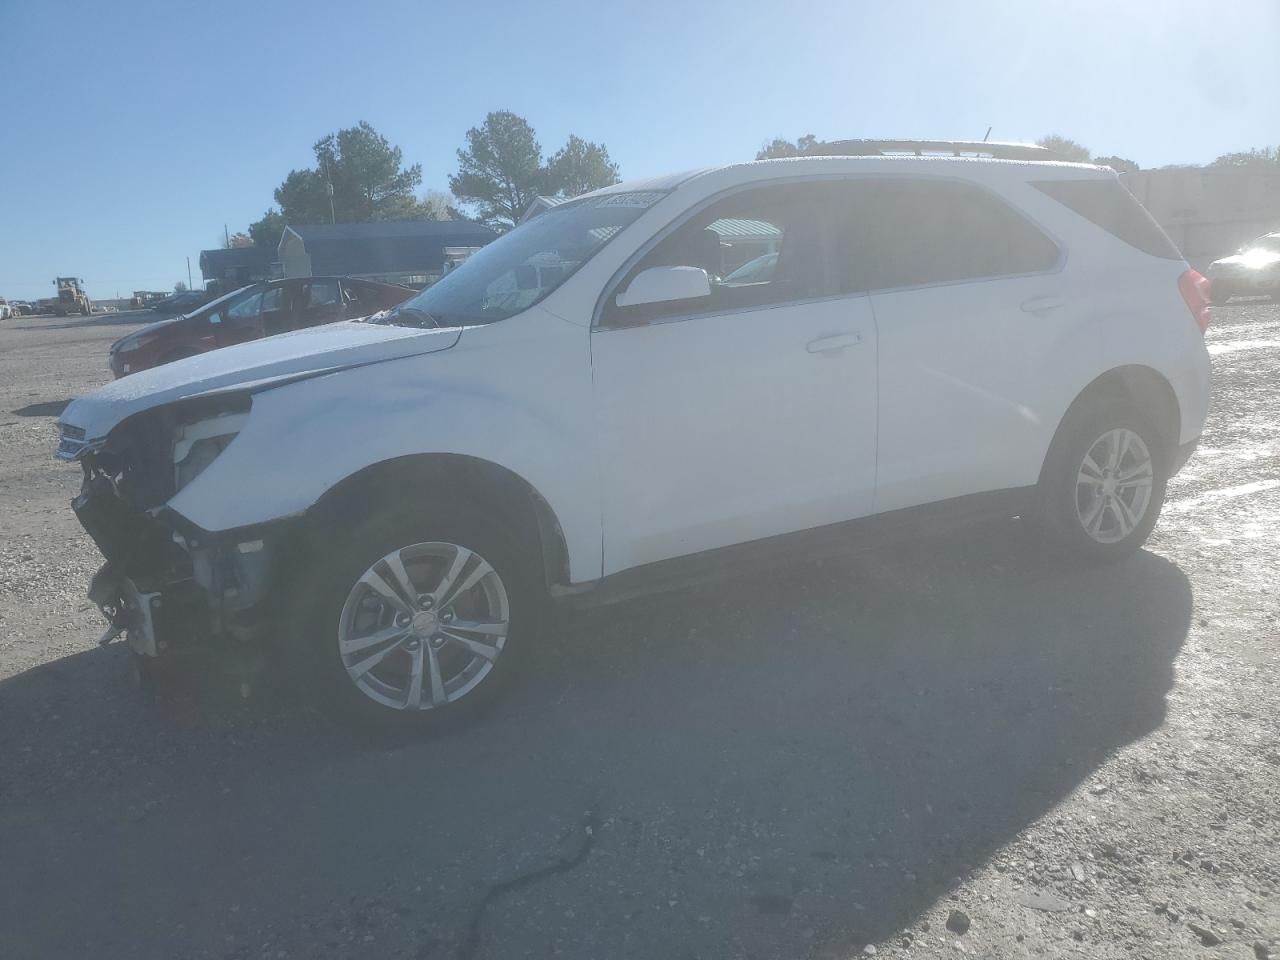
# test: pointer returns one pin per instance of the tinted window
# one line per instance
(246, 309)
(366, 298)
(322, 293)
(1107, 204)
(273, 299)
(239, 306)
(759, 247)
(902, 233)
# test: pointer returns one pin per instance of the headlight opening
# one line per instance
(198, 444)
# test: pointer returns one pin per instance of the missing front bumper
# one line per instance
(153, 621)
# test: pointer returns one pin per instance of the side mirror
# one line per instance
(664, 284)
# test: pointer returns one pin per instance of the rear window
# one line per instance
(916, 232)
(1107, 204)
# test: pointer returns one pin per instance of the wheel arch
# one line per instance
(1147, 390)
(457, 478)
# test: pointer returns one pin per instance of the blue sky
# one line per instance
(132, 131)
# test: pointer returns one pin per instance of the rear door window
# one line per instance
(904, 233)
(322, 293)
(1107, 204)
(321, 303)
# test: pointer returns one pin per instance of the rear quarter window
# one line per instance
(1107, 204)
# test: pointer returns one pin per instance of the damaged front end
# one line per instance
(166, 583)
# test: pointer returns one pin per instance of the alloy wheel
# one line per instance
(423, 626)
(1113, 485)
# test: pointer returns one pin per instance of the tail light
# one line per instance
(1195, 291)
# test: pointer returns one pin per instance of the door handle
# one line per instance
(1042, 305)
(836, 342)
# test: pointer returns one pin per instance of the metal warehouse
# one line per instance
(409, 252)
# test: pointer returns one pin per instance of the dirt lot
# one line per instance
(952, 747)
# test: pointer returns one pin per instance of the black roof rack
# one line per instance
(950, 148)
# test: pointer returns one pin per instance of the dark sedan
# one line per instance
(178, 303)
(258, 310)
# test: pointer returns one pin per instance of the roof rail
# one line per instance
(951, 148)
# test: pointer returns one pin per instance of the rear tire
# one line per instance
(1219, 293)
(1103, 483)
(462, 637)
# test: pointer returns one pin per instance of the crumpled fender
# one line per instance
(516, 393)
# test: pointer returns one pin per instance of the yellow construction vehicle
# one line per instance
(71, 297)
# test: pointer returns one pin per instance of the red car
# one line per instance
(258, 310)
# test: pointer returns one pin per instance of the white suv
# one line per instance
(585, 411)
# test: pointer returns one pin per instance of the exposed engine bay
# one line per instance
(166, 583)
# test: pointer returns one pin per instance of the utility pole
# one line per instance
(328, 186)
(188, 273)
(985, 135)
(226, 236)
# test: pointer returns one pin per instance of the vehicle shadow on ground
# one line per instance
(50, 408)
(791, 764)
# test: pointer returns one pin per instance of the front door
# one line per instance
(276, 310)
(748, 413)
(240, 320)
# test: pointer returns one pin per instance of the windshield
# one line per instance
(1269, 243)
(225, 299)
(519, 269)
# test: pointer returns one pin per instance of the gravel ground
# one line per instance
(952, 747)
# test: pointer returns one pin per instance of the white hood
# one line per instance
(254, 365)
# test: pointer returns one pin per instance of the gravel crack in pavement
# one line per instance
(470, 946)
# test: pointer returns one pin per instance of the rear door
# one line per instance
(972, 314)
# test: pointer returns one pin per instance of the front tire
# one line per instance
(414, 621)
(1103, 483)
